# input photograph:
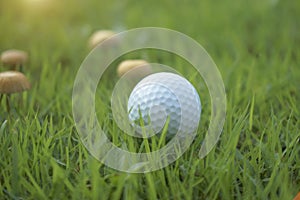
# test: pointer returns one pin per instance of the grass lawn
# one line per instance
(255, 45)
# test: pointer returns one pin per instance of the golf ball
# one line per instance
(165, 96)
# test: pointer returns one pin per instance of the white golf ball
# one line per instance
(163, 96)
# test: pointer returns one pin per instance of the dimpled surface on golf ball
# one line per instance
(163, 95)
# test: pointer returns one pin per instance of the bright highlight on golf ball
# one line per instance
(165, 98)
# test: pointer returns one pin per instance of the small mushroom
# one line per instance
(14, 58)
(12, 82)
(98, 37)
(141, 67)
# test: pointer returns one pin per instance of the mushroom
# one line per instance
(12, 82)
(14, 58)
(142, 68)
(98, 37)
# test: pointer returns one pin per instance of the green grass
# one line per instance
(255, 44)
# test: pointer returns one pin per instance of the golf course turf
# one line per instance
(255, 45)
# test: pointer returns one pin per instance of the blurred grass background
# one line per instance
(255, 44)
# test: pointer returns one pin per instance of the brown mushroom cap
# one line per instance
(127, 65)
(14, 57)
(13, 82)
(99, 36)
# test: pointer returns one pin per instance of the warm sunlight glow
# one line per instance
(38, 5)
(35, 1)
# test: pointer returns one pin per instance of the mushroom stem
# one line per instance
(21, 100)
(7, 103)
